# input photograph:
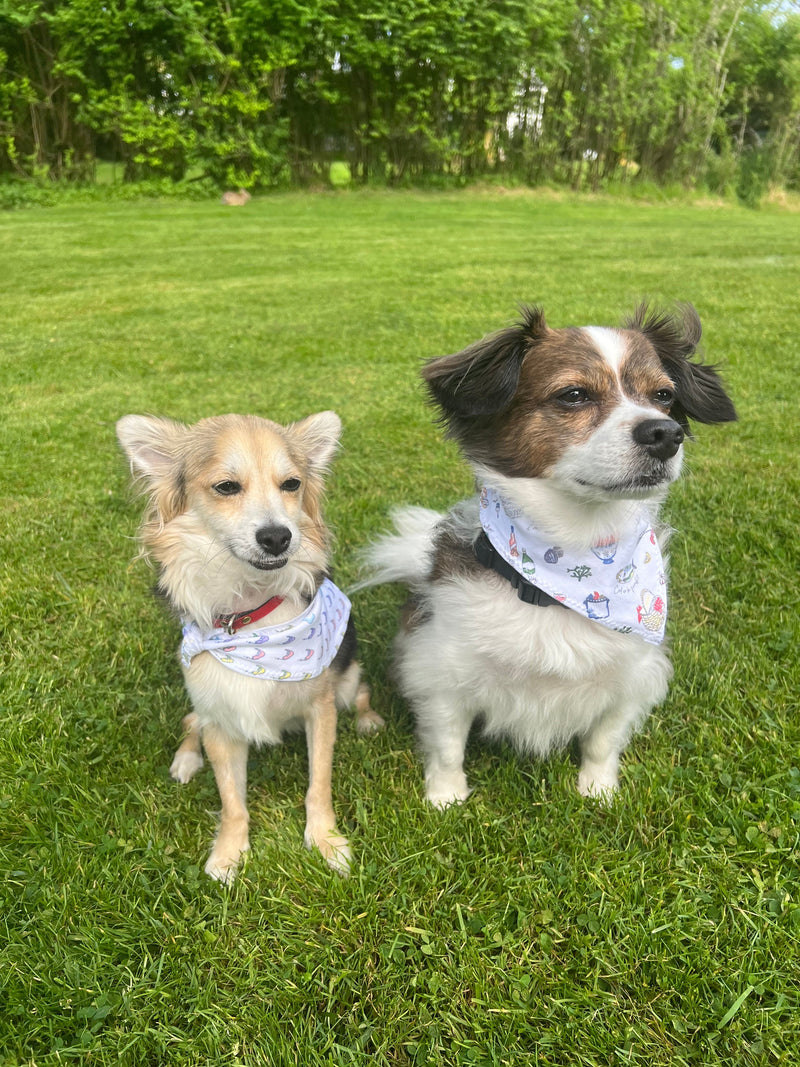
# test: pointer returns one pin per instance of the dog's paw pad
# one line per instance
(185, 766)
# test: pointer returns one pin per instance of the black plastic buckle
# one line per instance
(488, 556)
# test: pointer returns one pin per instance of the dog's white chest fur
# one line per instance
(537, 675)
(255, 710)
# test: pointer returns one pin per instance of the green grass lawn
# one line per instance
(528, 927)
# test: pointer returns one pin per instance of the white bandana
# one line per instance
(621, 584)
(291, 651)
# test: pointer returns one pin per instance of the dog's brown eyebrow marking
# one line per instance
(564, 358)
(641, 372)
(529, 436)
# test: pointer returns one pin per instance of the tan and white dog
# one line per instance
(235, 525)
(538, 606)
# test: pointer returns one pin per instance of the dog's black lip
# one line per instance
(644, 481)
(268, 564)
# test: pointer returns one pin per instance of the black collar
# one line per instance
(488, 556)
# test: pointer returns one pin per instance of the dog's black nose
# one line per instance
(661, 438)
(274, 539)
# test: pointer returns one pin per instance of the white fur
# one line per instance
(603, 465)
(609, 343)
(561, 676)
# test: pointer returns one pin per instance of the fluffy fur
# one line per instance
(234, 518)
(577, 427)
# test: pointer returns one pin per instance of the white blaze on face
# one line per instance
(610, 344)
(610, 460)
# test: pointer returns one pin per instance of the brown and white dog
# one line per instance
(539, 604)
(235, 525)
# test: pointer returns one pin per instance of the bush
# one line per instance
(752, 183)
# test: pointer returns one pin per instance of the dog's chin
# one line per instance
(633, 488)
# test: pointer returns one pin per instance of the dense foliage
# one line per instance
(263, 93)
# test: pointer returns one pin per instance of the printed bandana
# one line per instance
(621, 585)
(291, 651)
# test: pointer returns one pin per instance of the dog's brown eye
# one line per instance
(227, 488)
(572, 397)
(664, 397)
(291, 485)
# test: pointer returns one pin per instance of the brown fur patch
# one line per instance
(529, 436)
(641, 372)
(452, 557)
(413, 614)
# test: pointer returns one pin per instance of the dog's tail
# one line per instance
(404, 556)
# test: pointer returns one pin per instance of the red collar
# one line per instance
(232, 623)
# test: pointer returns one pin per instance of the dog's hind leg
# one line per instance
(321, 829)
(229, 759)
(368, 721)
(189, 757)
(352, 692)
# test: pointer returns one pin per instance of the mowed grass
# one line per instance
(530, 926)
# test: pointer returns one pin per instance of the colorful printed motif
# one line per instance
(614, 601)
(652, 611)
(597, 606)
(315, 637)
(580, 572)
(605, 549)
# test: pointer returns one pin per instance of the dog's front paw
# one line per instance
(598, 782)
(185, 765)
(335, 850)
(231, 844)
(222, 866)
(442, 790)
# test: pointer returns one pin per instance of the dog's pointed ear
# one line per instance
(151, 443)
(483, 378)
(153, 446)
(318, 436)
(699, 391)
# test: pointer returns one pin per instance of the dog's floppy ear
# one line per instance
(153, 446)
(318, 437)
(483, 378)
(699, 391)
